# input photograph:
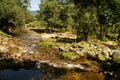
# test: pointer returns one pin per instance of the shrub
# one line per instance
(35, 24)
(46, 44)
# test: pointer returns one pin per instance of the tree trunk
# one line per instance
(119, 34)
(101, 29)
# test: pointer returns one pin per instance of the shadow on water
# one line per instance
(21, 74)
(28, 70)
(110, 69)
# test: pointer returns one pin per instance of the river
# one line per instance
(20, 74)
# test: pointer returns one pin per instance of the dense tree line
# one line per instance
(13, 13)
(55, 14)
(86, 18)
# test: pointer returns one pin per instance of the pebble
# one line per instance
(31, 52)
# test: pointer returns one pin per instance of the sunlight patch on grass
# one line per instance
(87, 63)
(70, 55)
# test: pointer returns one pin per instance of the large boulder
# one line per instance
(102, 52)
(105, 53)
(65, 47)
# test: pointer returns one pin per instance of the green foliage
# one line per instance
(46, 44)
(28, 17)
(55, 14)
(34, 24)
(117, 59)
(84, 17)
(4, 34)
(102, 37)
(106, 12)
(87, 63)
(70, 55)
(12, 14)
(24, 3)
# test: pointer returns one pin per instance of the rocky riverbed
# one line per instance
(24, 51)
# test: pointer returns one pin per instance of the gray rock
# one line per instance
(107, 51)
(73, 49)
(92, 53)
(63, 48)
(76, 46)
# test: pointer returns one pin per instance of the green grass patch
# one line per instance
(46, 44)
(87, 63)
(117, 59)
(70, 55)
(4, 34)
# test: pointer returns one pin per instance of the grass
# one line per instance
(87, 63)
(117, 59)
(70, 55)
(4, 34)
(46, 44)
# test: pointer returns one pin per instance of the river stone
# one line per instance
(84, 45)
(31, 52)
(103, 57)
(92, 53)
(60, 64)
(3, 49)
(64, 48)
(76, 45)
(107, 51)
(73, 49)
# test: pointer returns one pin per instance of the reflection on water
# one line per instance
(21, 74)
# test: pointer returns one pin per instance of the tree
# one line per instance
(56, 14)
(12, 14)
(86, 18)
(106, 13)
